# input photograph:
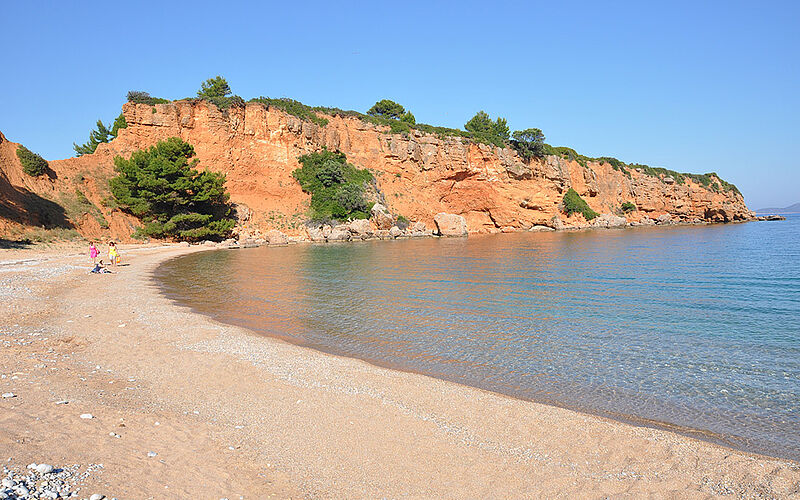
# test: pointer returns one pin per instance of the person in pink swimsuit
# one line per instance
(93, 252)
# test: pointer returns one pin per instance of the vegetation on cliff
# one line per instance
(161, 186)
(573, 203)
(217, 91)
(483, 129)
(627, 207)
(337, 188)
(32, 164)
(100, 135)
(139, 97)
(528, 143)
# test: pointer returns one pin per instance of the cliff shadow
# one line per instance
(19, 205)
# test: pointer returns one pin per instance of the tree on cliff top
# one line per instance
(387, 109)
(214, 88)
(161, 186)
(483, 128)
(529, 143)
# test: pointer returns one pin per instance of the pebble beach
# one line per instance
(112, 391)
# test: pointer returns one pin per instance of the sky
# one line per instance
(691, 86)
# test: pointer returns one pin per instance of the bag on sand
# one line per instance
(118, 259)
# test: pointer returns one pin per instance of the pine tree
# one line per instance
(95, 138)
(161, 186)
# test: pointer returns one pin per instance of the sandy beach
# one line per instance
(231, 414)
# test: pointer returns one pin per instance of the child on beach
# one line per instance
(93, 252)
(113, 255)
(100, 268)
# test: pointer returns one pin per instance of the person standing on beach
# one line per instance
(112, 253)
(93, 252)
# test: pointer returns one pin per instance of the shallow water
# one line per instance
(695, 327)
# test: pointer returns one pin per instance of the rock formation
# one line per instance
(417, 175)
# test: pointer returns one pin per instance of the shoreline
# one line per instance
(312, 424)
(730, 441)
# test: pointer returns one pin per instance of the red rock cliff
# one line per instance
(418, 175)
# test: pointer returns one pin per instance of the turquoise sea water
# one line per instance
(694, 328)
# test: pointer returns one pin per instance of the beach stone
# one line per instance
(7, 395)
(87, 416)
(7, 482)
(381, 217)
(275, 237)
(450, 224)
(97, 496)
(610, 220)
(152, 454)
(339, 233)
(360, 228)
(316, 233)
(44, 468)
(664, 219)
(395, 232)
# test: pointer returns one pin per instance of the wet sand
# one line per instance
(244, 415)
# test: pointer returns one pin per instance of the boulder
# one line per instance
(418, 227)
(209, 243)
(316, 233)
(382, 234)
(360, 228)
(450, 225)
(381, 217)
(518, 170)
(646, 221)
(539, 228)
(275, 237)
(610, 220)
(664, 219)
(395, 232)
(339, 233)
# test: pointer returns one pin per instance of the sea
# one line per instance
(695, 329)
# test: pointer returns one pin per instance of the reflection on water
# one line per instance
(695, 327)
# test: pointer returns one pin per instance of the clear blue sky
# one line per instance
(691, 86)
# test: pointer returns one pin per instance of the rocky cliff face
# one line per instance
(418, 175)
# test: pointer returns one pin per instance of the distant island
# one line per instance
(791, 209)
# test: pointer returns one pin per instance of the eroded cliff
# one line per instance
(418, 175)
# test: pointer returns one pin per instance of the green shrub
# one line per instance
(337, 188)
(574, 203)
(528, 143)
(139, 97)
(387, 109)
(294, 108)
(32, 164)
(161, 186)
(628, 207)
(408, 117)
(402, 222)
